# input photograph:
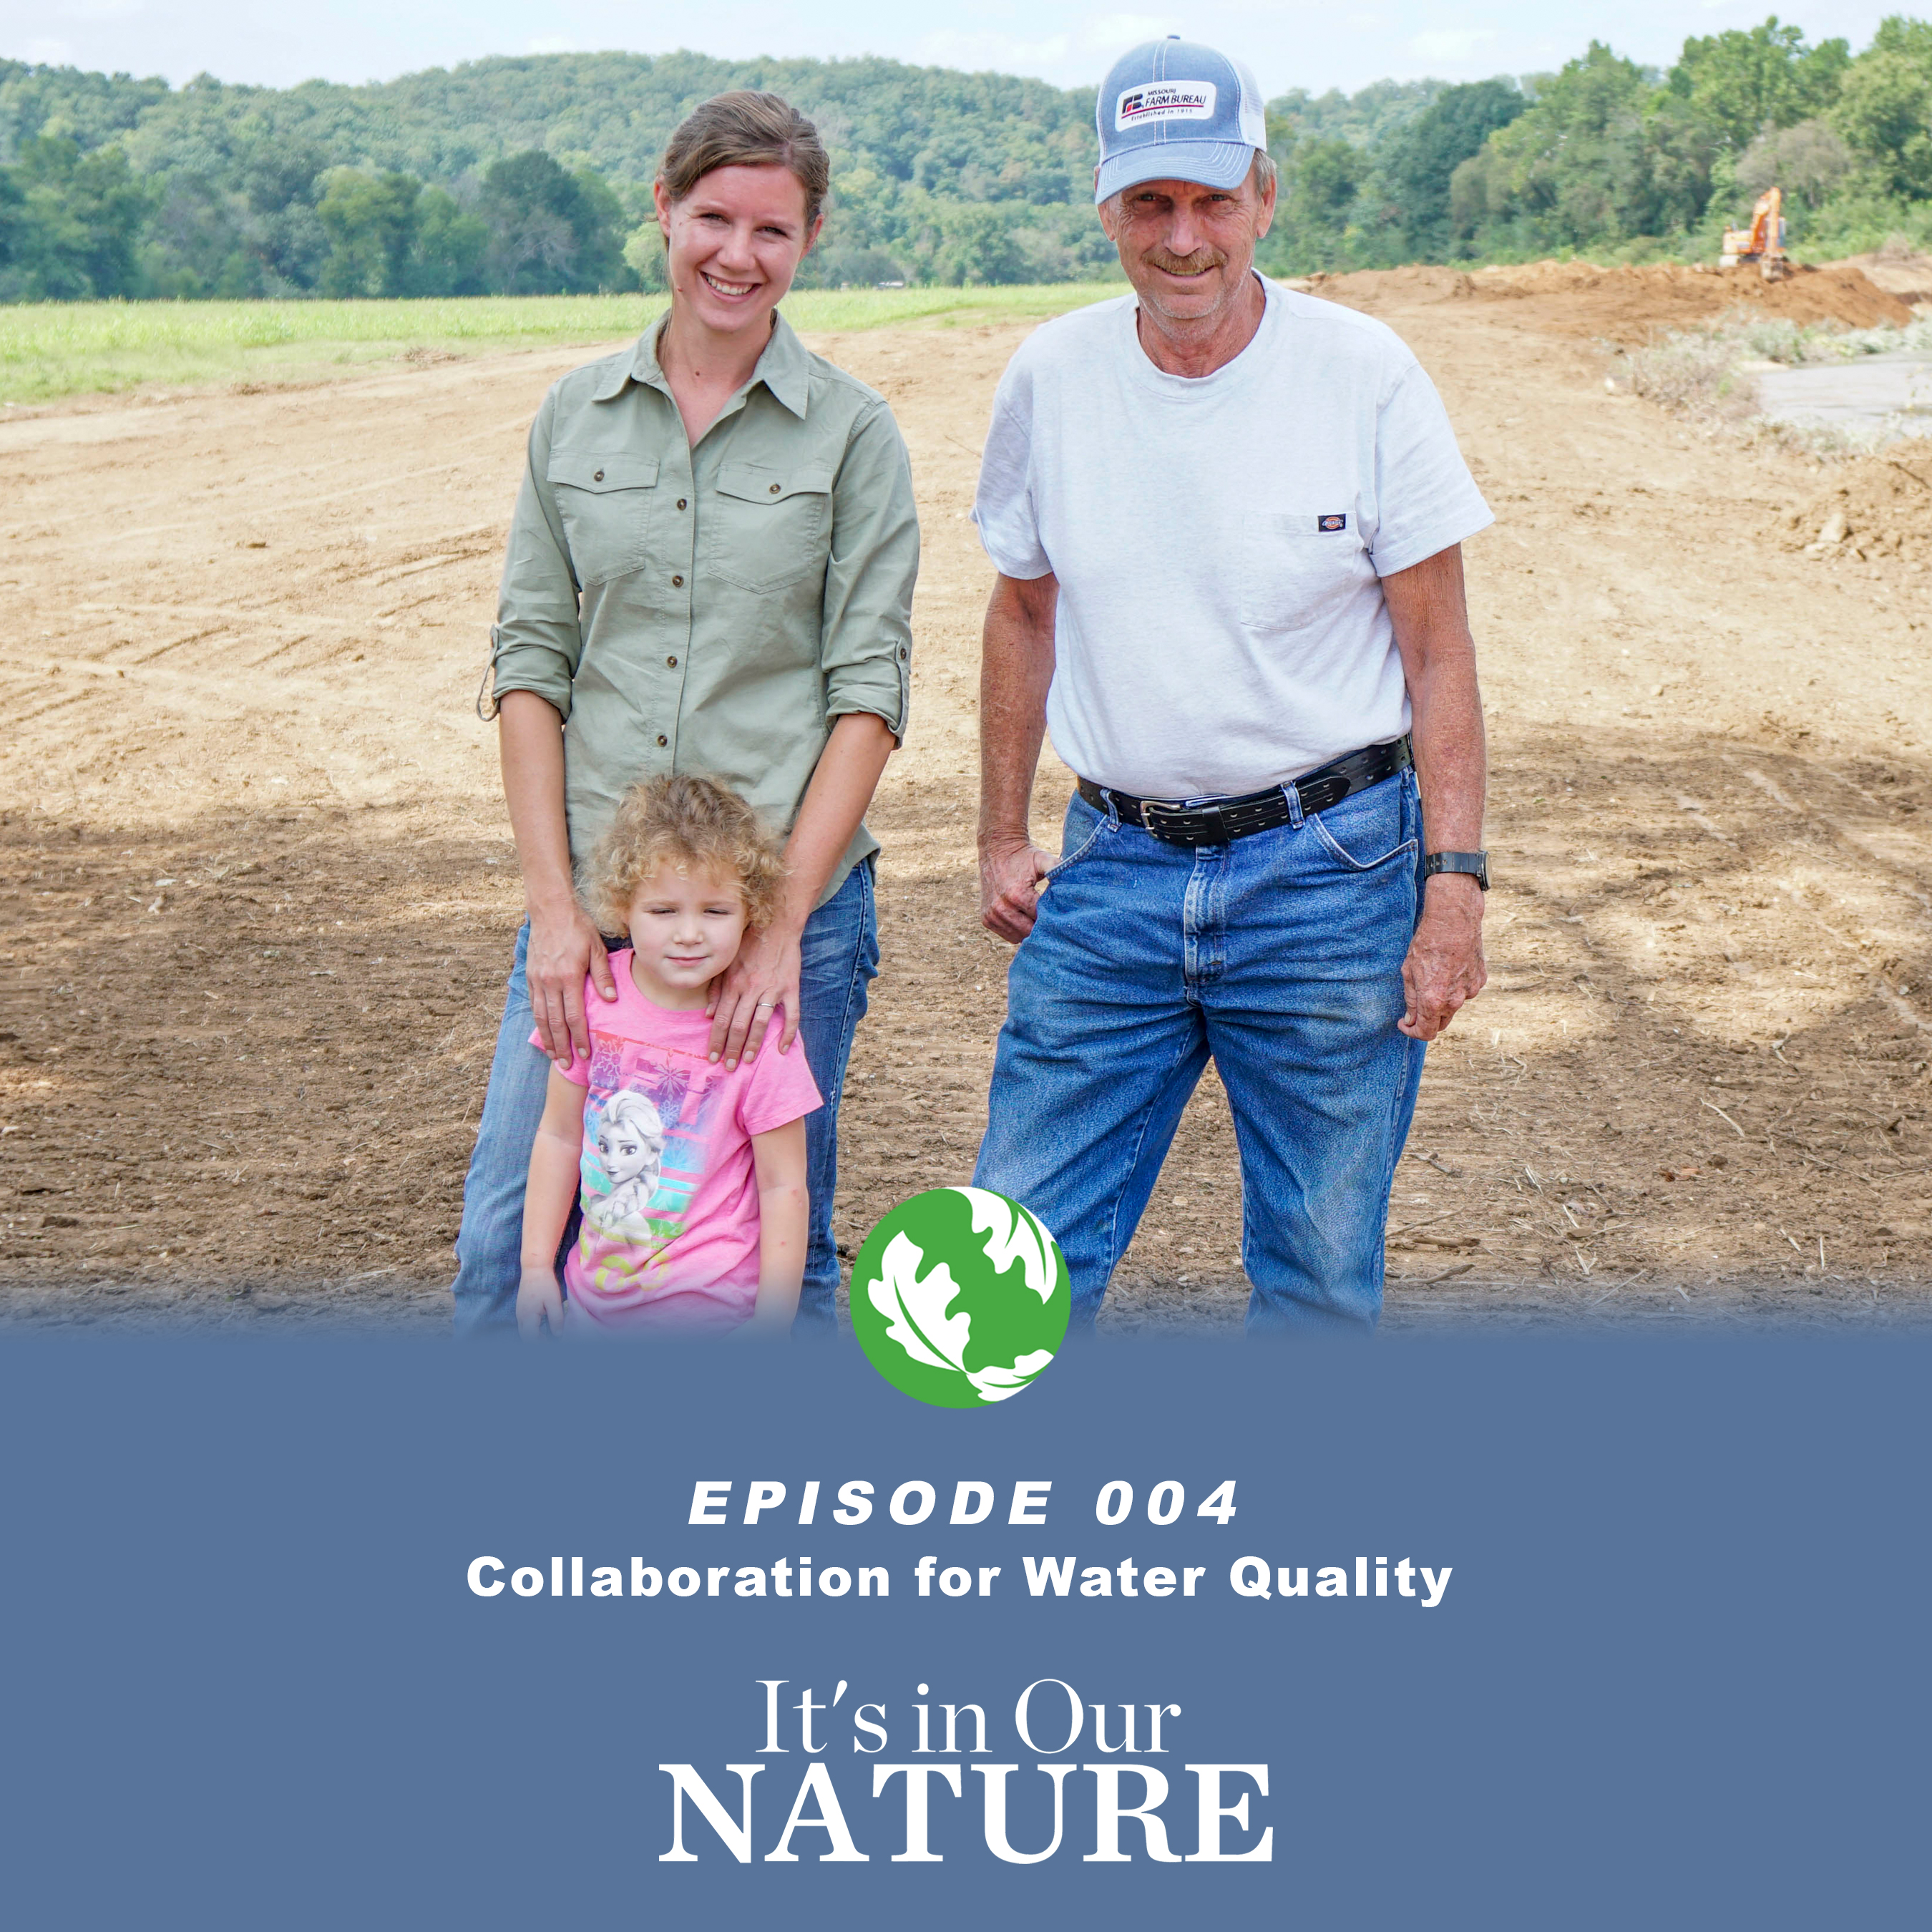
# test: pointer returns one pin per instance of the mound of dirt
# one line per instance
(1624, 303)
(1903, 273)
(1876, 506)
(1372, 290)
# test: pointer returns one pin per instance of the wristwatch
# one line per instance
(1476, 864)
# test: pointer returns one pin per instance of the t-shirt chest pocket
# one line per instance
(1297, 569)
(605, 502)
(770, 523)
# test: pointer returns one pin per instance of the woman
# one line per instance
(710, 569)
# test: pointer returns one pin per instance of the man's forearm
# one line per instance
(1451, 758)
(1445, 966)
(1428, 607)
(1015, 672)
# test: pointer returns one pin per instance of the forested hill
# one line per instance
(940, 176)
(613, 110)
(533, 175)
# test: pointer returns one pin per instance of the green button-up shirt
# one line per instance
(712, 610)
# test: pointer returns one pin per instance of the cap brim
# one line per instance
(1211, 163)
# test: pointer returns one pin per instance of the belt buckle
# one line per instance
(1184, 824)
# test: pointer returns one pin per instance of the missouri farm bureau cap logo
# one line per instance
(1164, 100)
(960, 1297)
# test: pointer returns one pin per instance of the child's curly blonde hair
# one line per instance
(689, 823)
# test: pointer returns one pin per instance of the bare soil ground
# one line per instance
(1902, 272)
(1625, 303)
(258, 895)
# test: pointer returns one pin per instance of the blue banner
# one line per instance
(1554, 1631)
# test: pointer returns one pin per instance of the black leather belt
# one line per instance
(1214, 821)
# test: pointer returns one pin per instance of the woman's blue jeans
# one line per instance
(1280, 955)
(840, 954)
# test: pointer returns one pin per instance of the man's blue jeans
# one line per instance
(1279, 954)
(841, 954)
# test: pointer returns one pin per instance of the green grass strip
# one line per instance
(48, 350)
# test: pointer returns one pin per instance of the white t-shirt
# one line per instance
(1220, 540)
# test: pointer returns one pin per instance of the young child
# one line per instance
(692, 1176)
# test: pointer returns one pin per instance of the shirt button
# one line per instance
(598, 478)
(672, 662)
(680, 502)
(677, 584)
(662, 740)
(775, 489)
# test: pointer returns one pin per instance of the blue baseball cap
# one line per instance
(1173, 109)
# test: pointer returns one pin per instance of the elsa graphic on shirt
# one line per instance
(630, 1148)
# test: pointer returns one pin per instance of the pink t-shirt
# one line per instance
(670, 1238)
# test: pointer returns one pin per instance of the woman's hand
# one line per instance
(764, 978)
(748, 996)
(539, 1299)
(564, 947)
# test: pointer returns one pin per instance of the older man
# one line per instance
(1227, 520)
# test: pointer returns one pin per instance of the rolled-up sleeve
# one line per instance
(865, 643)
(537, 640)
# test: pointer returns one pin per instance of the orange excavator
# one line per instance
(1763, 241)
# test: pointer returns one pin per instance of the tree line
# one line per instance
(512, 176)
(1610, 158)
(532, 175)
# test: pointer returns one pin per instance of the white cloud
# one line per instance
(1450, 44)
(549, 43)
(49, 53)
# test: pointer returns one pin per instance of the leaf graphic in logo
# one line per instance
(959, 1298)
(1013, 1235)
(915, 1310)
(995, 1384)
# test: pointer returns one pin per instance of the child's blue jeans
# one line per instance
(1280, 955)
(840, 954)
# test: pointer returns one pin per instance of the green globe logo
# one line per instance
(960, 1297)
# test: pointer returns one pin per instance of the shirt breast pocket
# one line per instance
(771, 524)
(1296, 570)
(605, 502)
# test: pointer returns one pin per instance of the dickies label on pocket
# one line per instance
(1336, 521)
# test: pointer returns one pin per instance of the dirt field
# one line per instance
(1624, 304)
(259, 895)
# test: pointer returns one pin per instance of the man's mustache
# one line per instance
(1197, 263)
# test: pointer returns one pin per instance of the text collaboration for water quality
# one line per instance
(1353, 1578)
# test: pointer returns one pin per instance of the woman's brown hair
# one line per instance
(745, 129)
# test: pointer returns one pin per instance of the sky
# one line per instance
(1289, 43)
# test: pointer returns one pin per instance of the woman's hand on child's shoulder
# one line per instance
(539, 1299)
